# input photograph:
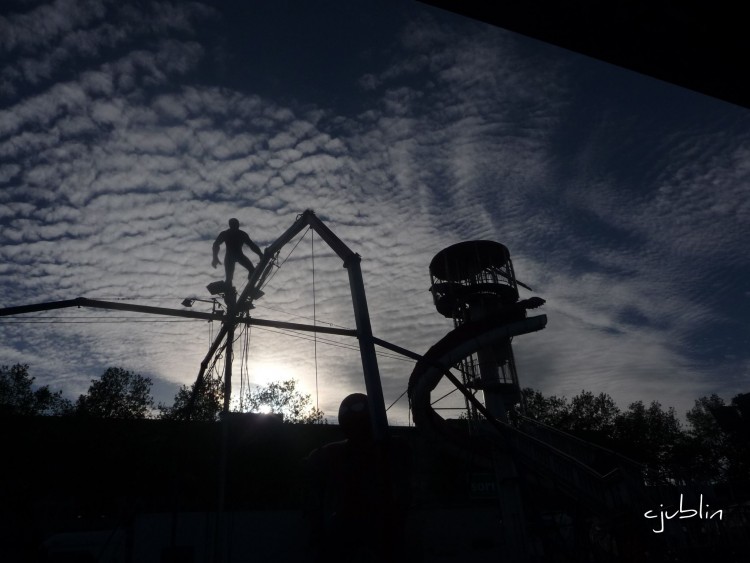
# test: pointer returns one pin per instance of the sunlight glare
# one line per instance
(264, 373)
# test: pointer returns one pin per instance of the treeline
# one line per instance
(122, 394)
(713, 447)
(118, 393)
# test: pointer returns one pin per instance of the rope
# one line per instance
(263, 281)
(334, 343)
(397, 400)
(292, 315)
(242, 364)
(266, 282)
(443, 397)
(212, 372)
(315, 334)
(244, 368)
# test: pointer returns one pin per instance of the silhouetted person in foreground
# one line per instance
(234, 239)
(358, 492)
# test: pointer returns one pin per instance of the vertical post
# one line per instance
(229, 356)
(220, 532)
(367, 349)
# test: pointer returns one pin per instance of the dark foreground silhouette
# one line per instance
(358, 492)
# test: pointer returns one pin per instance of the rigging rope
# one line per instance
(443, 397)
(245, 369)
(315, 334)
(264, 280)
(334, 343)
(397, 400)
(276, 310)
(267, 281)
(213, 372)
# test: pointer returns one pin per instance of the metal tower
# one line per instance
(474, 282)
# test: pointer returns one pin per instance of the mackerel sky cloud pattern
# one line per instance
(130, 133)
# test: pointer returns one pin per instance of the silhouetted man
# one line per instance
(234, 239)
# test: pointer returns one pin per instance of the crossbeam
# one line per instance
(80, 302)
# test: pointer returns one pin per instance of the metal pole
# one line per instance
(362, 320)
(367, 349)
(229, 356)
(220, 532)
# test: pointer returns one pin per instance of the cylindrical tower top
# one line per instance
(475, 275)
(466, 260)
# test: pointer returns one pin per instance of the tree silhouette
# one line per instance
(18, 397)
(118, 393)
(553, 410)
(206, 407)
(734, 420)
(714, 447)
(706, 440)
(653, 437)
(593, 416)
(719, 437)
(282, 398)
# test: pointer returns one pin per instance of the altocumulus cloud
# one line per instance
(123, 155)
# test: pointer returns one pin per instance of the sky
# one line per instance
(130, 132)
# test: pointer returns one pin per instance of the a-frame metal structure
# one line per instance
(363, 331)
(235, 315)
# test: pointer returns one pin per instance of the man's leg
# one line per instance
(245, 261)
(229, 270)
